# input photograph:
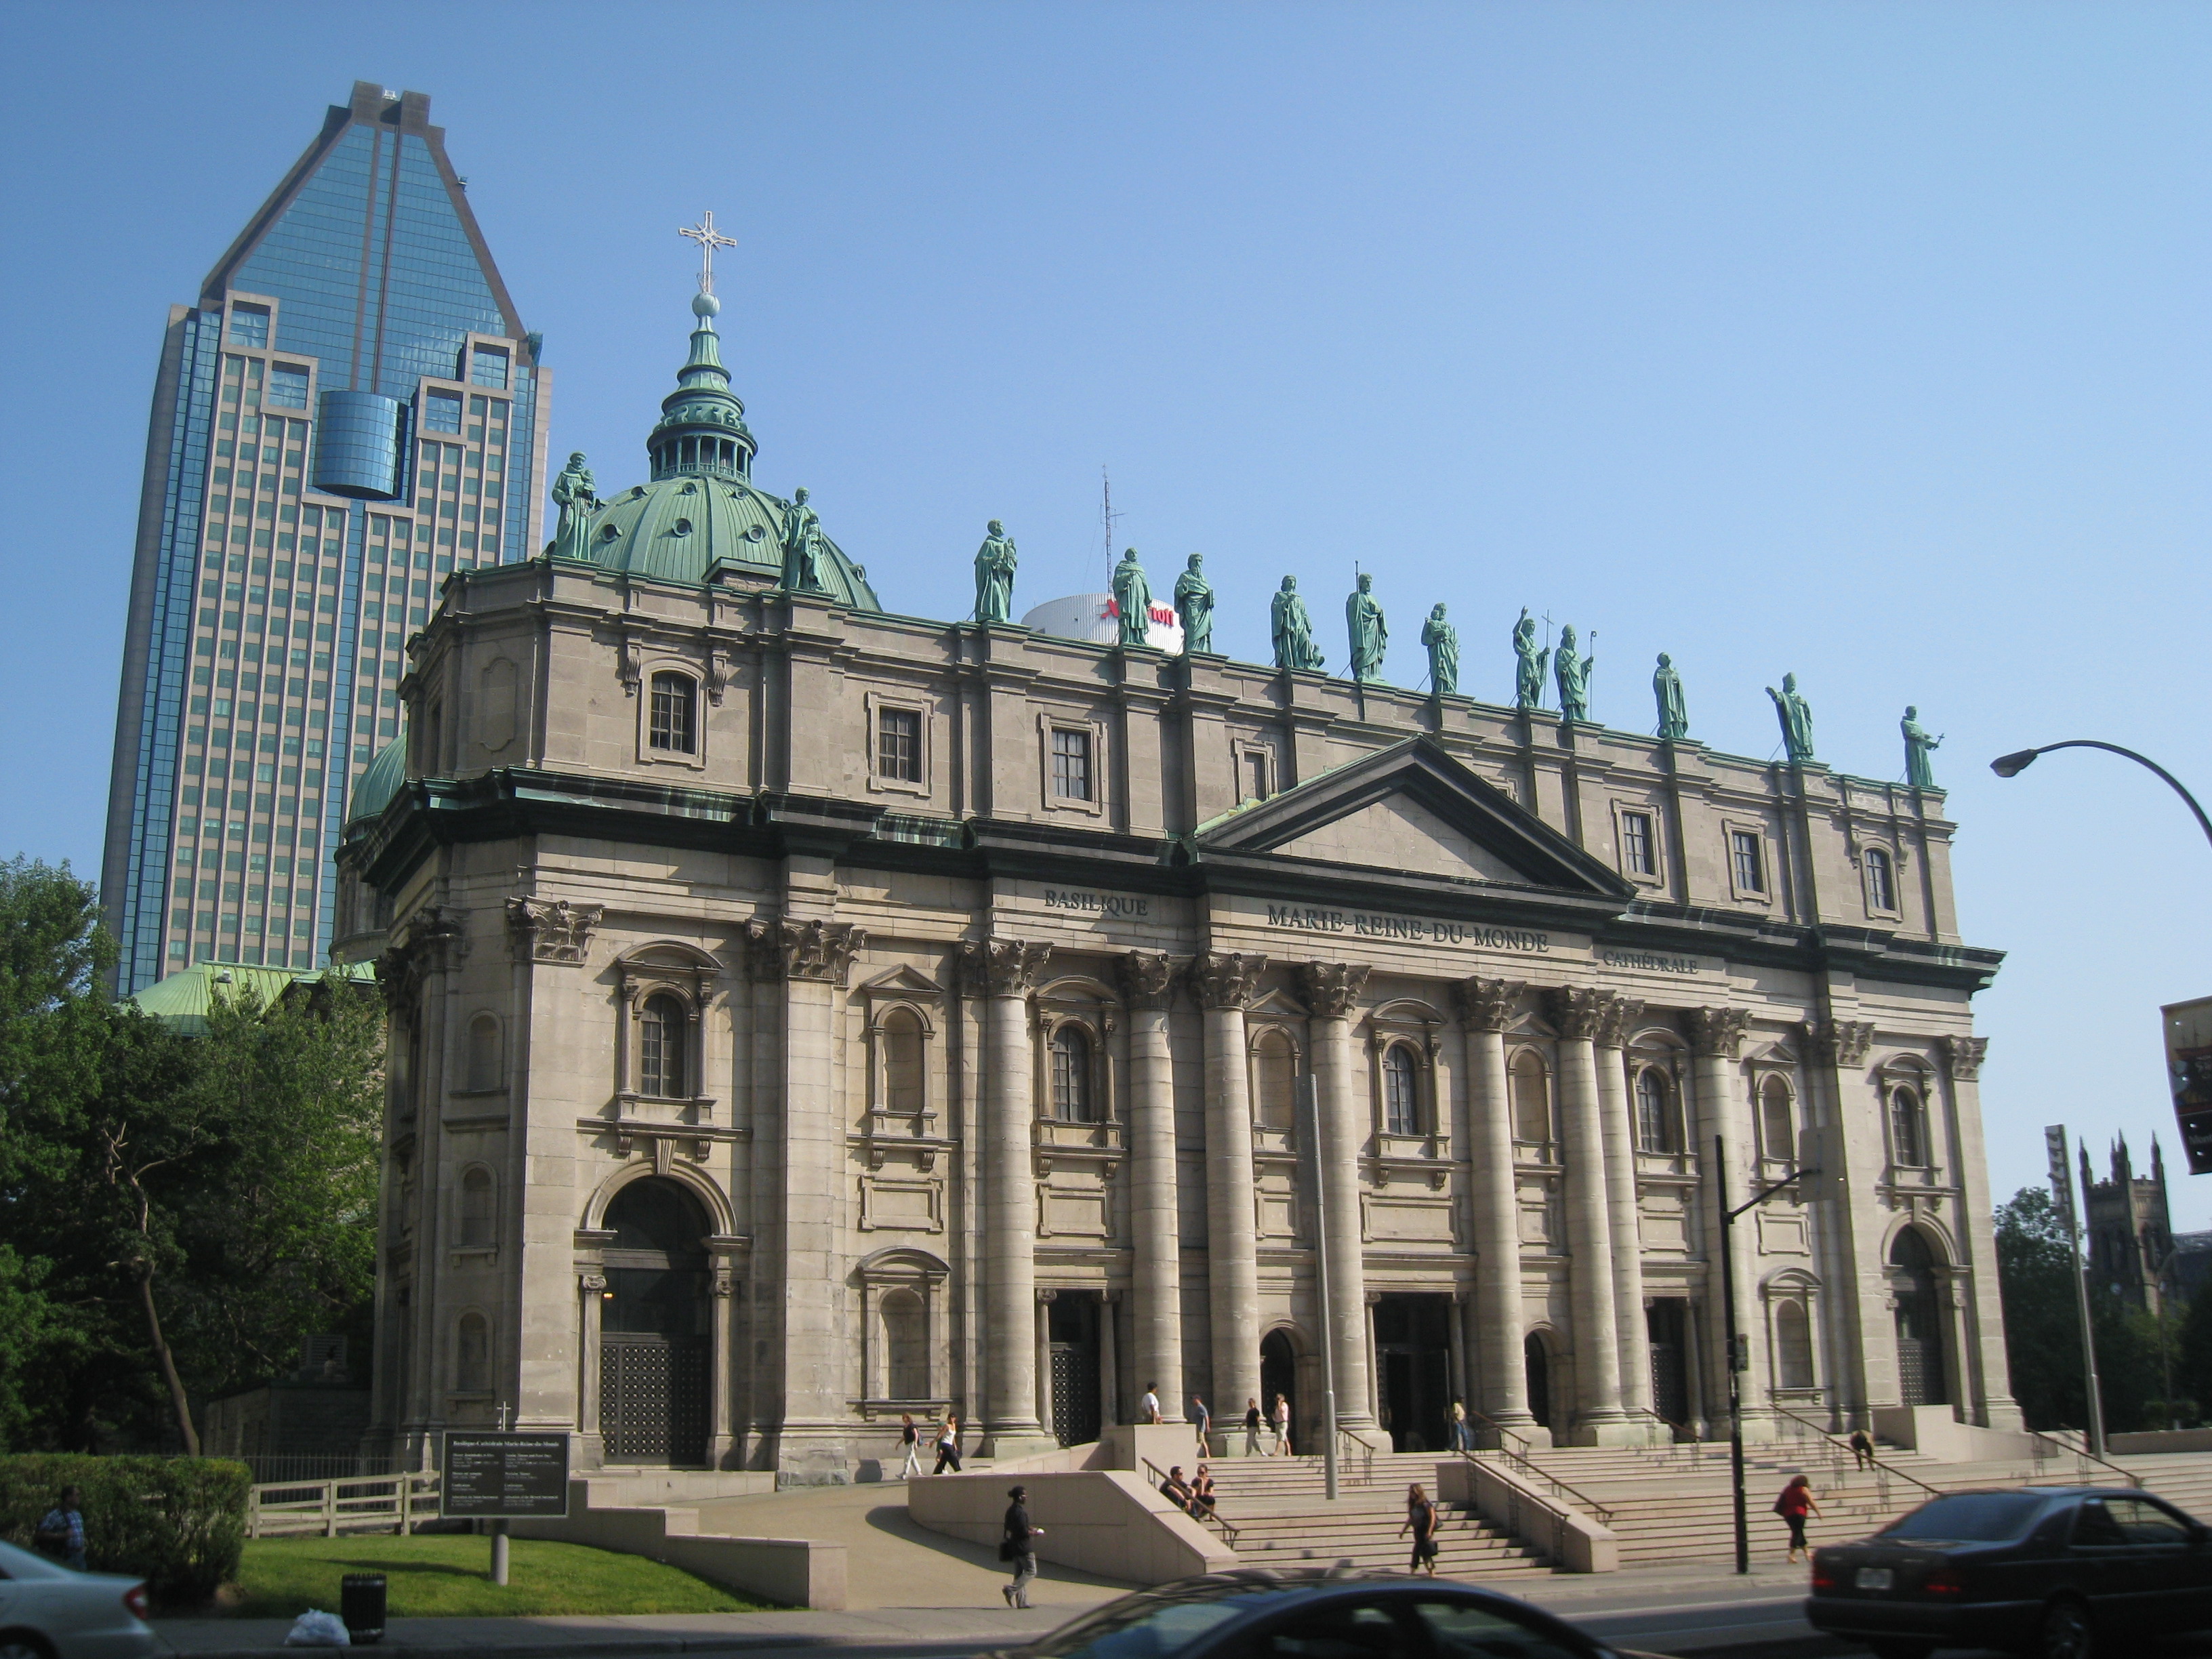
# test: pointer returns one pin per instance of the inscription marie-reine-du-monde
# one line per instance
(1424, 930)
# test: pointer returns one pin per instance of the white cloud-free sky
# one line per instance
(1865, 341)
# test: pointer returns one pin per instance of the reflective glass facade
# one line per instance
(296, 519)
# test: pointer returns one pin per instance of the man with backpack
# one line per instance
(60, 1533)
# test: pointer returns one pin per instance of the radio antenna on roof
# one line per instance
(1108, 518)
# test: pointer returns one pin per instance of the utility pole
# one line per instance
(1309, 1153)
(2062, 1188)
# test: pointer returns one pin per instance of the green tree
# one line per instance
(2043, 1327)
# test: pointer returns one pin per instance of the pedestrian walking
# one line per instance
(1252, 1424)
(1863, 1448)
(1797, 1500)
(910, 1438)
(1421, 1520)
(1463, 1437)
(1149, 1410)
(1282, 1426)
(1203, 1419)
(59, 1534)
(948, 1444)
(1019, 1548)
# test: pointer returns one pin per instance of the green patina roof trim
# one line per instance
(183, 1000)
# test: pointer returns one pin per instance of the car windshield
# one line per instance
(1143, 1627)
(1977, 1517)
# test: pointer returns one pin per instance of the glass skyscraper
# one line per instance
(351, 411)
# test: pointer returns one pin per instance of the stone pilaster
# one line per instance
(1486, 1008)
(1576, 1012)
(1330, 989)
(1716, 1044)
(1156, 1234)
(1860, 1335)
(1224, 984)
(1624, 1206)
(1974, 1281)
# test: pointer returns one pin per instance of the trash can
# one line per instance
(360, 1604)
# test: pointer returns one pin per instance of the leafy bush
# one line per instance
(177, 1522)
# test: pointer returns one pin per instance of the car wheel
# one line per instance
(2066, 1633)
(22, 1645)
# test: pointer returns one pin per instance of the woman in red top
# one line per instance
(1797, 1500)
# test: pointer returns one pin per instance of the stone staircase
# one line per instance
(1282, 1518)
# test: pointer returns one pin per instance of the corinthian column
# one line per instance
(1975, 1280)
(1621, 1013)
(1330, 988)
(1717, 1042)
(1156, 1277)
(1576, 1012)
(1224, 984)
(1486, 1006)
(1007, 969)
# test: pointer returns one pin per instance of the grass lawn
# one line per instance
(450, 1575)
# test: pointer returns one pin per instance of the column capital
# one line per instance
(785, 948)
(1577, 1011)
(1965, 1054)
(1619, 1017)
(550, 930)
(1839, 1042)
(1331, 987)
(1225, 979)
(1147, 978)
(1717, 1033)
(1003, 966)
(1487, 1004)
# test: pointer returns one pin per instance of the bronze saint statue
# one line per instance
(1443, 640)
(1572, 672)
(802, 546)
(1370, 634)
(1918, 743)
(1667, 690)
(573, 493)
(1528, 664)
(1133, 599)
(1796, 717)
(1194, 602)
(994, 576)
(1292, 628)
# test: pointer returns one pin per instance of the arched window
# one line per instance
(906, 1344)
(1274, 1080)
(1881, 880)
(902, 1040)
(1401, 1091)
(472, 1355)
(664, 1035)
(1655, 1110)
(1793, 1345)
(1908, 1141)
(484, 1052)
(1070, 1074)
(479, 1210)
(1532, 1097)
(674, 704)
(1777, 1123)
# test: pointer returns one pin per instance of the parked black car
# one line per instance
(2058, 1572)
(1313, 1613)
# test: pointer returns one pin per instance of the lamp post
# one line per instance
(1738, 1363)
(2012, 765)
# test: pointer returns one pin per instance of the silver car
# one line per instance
(48, 1612)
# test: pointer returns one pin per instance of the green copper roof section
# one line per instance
(182, 1000)
(380, 779)
(703, 408)
(689, 529)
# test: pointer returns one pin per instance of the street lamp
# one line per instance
(2012, 765)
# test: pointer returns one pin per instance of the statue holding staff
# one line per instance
(1573, 671)
(1369, 634)
(1796, 717)
(1529, 664)
(1667, 690)
(1443, 642)
(1918, 772)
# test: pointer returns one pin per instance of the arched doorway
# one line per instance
(1536, 1360)
(1920, 1378)
(1279, 1375)
(653, 1324)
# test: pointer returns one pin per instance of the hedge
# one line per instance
(177, 1522)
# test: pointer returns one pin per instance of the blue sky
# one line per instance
(1868, 341)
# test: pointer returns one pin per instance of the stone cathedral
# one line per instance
(802, 1015)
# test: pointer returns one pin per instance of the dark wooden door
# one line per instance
(653, 1398)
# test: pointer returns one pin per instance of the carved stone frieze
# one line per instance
(432, 939)
(1576, 1011)
(787, 949)
(1331, 987)
(551, 931)
(1147, 978)
(1618, 1020)
(1718, 1033)
(1965, 1054)
(1487, 1004)
(1003, 966)
(592, 1281)
(1224, 979)
(1839, 1042)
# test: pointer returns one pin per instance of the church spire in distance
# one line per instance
(703, 422)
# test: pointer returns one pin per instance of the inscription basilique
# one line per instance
(1097, 904)
(1423, 930)
(1651, 962)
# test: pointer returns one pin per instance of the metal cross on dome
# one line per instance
(708, 238)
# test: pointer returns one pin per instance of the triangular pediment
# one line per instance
(1413, 809)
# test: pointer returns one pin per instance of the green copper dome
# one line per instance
(380, 781)
(689, 529)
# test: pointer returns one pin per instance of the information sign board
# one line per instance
(2189, 1073)
(490, 1476)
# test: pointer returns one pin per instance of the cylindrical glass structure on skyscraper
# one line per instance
(359, 444)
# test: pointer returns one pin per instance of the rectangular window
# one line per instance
(442, 412)
(1750, 866)
(1256, 775)
(1882, 891)
(489, 368)
(1636, 842)
(898, 745)
(249, 325)
(671, 726)
(1071, 763)
(287, 386)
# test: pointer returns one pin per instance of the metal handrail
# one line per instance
(1351, 1448)
(1561, 1514)
(1517, 1456)
(1679, 1434)
(1201, 1514)
(1844, 1446)
(2082, 1452)
(1497, 1428)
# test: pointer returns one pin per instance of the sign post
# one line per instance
(2189, 1073)
(2061, 1192)
(496, 1476)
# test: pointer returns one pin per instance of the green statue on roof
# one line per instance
(1571, 670)
(802, 546)
(1369, 634)
(574, 494)
(1796, 717)
(994, 576)
(1292, 628)
(1133, 599)
(1193, 604)
(1918, 772)
(1529, 664)
(1667, 691)
(1443, 640)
